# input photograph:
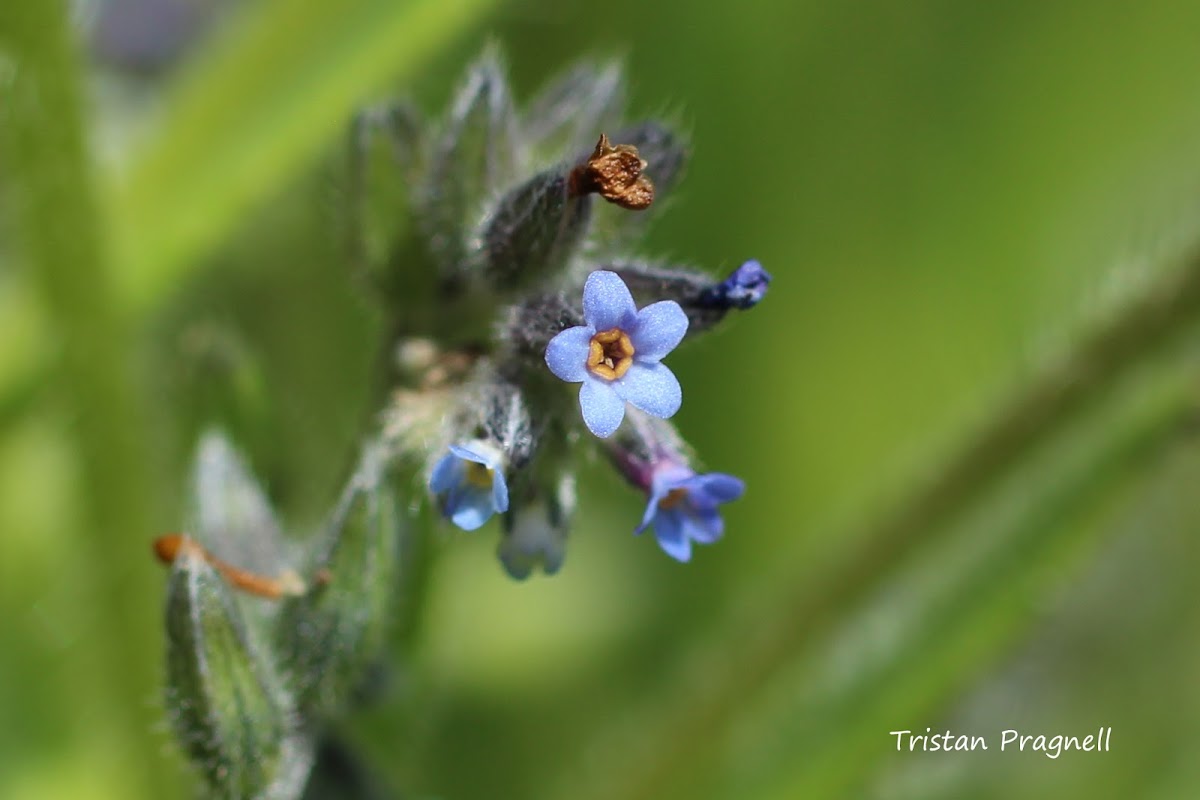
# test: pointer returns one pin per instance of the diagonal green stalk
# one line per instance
(45, 155)
(687, 724)
(260, 103)
(21, 396)
(1063, 510)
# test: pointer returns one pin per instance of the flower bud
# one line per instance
(744, 288)
(331, 636)
(535, 531)
(386, 153)
(705, 301)
(474, 158)
(228, 705)
(232, 516)
(533, 231)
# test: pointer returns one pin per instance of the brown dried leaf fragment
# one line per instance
(616, 174)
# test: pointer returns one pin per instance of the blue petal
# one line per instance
(668, 528)
(602, 409)
(499, 492)
(667, 476)
(717, 487)
(447, 473)
(704, 527)
(651, 387)
(469, 508)
(671, 474)
(659, 329)
(470, 455)
(607, 302)
(651, 510)
(567, 354)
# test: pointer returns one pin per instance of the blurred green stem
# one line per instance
(18, 398)
(1065, 510)
(46, 158)
(260, 101)
(779, 628)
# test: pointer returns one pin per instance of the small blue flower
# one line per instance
(683, 508)
(617, 353)
(744, 288)
(469, 482)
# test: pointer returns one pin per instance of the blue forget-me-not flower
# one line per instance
(683, 508)
(470, 485)
(617, 354)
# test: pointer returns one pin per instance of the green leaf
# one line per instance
(231, 514)
(255, 108)
(333, 635)
(474, 157)
(386, 154)
(229, 707)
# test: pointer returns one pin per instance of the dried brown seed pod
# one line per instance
(616, 174)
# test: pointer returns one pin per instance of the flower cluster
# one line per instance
(496, 240)
(523, 221)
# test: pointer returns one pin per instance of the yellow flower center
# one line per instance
(479, 475)
(610, 354)
(673, 498)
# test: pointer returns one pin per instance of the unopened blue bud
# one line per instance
(744, 288)
(535, 532)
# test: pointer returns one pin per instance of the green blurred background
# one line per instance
(944, 191)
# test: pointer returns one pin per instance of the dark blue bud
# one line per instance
(743, 289)
(705, 302)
